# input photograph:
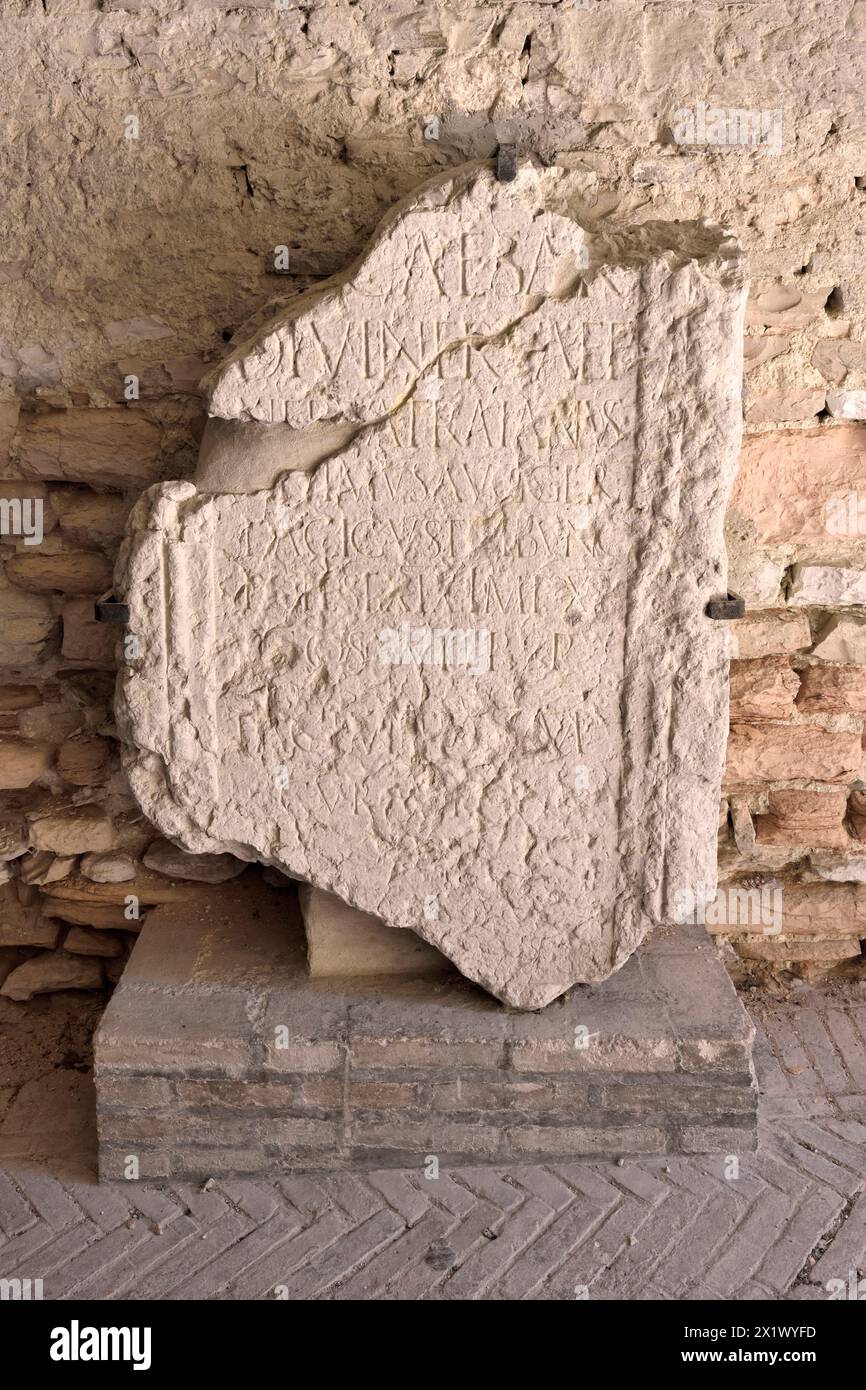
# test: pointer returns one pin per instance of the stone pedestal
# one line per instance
(218, 1054)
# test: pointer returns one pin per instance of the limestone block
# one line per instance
(86, 941)
(763, 689)
(842, 639)
(84, 760)
(826, 586)
(847, 405)
(459, 673)
(773, 753)
(23, 926)
(344, 942)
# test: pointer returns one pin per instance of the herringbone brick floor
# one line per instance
(789, 1221)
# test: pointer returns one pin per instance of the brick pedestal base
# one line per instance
(219, 1055)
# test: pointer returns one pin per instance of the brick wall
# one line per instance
(158, 153)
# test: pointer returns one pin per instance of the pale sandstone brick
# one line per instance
(847, 405)
(85, 640)
(28, 625)
(806, 909)
(90, 518)
(787, 478)
(763, 689)
(21, 762)
(111, 448)
(776, 951)
(800, 817)
(771, 633)
(85, 760)
(832, 690)
(773, 407)
(72, 571)
(768, 753)
(74, 830)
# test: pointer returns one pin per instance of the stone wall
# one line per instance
(171, 168)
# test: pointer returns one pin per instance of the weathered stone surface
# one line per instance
(847, 405)
(23, 926)
(22, 762)
(109, 448)
(28, 627)
(72, 571)
(341, 941)
(790, 481)
(43, 867)
(763, 689)
(782, 406)
(843, 638)
(90, 518)
(827, 586)
(804, 817)
(52, 970)
(85, 640)
(73, 831)
(84, 760)
(411, 676)
(769, 753)
(770, 634)
(832, 690)
(85, 941)
(776, 304)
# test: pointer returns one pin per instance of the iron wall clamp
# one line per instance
(726, 610)
(111, 611)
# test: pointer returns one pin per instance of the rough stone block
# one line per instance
(769, 753)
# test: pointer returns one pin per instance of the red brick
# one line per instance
(787, 477)
(832, 690)
(763, 689)
(769, 753)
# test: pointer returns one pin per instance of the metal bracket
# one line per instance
(506, 163)
(110, 611)
(726, 610)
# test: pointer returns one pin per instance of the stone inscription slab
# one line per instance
(457, 670)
